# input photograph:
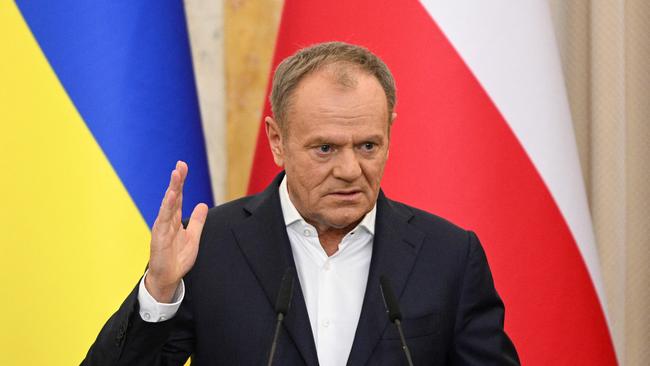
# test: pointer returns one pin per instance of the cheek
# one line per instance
(308, 179)
(313, 172)
(373, 171)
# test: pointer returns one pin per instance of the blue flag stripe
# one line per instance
(127, 68)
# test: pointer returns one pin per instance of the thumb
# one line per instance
(197, 220)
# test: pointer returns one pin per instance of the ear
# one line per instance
(275, 140)
(393, 116)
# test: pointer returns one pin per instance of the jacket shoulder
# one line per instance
(436, 229)
(229, 211)
(424, 219)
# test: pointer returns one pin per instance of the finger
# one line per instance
(176, 183)
(167, 207)
(176, 223)
(182, 169)
(177, 215)
(197, 220)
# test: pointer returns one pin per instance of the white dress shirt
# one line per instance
(333, 287)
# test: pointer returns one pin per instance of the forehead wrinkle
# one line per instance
(344, 114)
(347, 112)
(337, 106)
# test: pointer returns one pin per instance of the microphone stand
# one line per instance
(282, 303)
(405, 348)
(394, 313)
(278, 324)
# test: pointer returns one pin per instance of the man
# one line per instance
(210, 287)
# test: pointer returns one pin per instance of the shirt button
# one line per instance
(307, 232)
(327, 266)
(147, 316)
(162, 318)
(326, 323)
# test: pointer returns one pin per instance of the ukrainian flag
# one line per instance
(97, 103)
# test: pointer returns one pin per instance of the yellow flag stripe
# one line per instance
(73, 244)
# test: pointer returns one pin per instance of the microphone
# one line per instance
(282, 303)
(394, 314)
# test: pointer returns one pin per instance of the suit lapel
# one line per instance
(395, 250)
(263, 239)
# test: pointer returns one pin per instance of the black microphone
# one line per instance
(394, 314)
(282, 303)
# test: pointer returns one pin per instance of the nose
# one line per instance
(347, 166)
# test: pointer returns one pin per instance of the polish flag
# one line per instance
(484, 138)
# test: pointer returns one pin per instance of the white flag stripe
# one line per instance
(510, 47)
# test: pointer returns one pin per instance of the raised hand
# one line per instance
(173, 248)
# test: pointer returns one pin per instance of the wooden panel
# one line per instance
(250, 29)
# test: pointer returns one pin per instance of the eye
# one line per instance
(325, 148)
(368, 146)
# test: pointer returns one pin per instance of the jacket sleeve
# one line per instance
(126, 339)
(479, 336)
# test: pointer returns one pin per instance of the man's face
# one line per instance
(334, 149)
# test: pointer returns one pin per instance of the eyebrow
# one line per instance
(332, 140)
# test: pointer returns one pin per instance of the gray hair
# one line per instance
(308, 60)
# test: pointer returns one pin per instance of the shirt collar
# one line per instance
(292, 215)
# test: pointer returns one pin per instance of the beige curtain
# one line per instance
(605, 48)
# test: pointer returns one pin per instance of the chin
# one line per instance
(345, 219)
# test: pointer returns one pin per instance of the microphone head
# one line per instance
(283, 301)
(392, 305)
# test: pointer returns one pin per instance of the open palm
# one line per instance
(173, 247)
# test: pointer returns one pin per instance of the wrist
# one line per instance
(162, 293)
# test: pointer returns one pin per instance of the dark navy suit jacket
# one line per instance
(452, 314)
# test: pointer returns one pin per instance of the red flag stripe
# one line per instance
(510, 48)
